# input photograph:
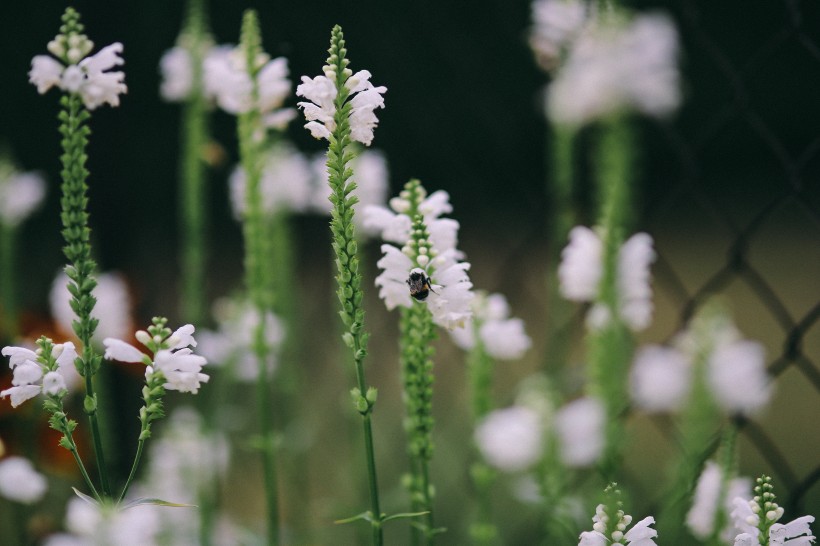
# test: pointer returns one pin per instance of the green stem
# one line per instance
(562, 218)
(134, 466)
(347, 263)
(8, 280)
(480, 367)
(81, 266)
(193, 176)
(268, 444)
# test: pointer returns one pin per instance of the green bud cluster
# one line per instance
(763, 504)
(71, 45)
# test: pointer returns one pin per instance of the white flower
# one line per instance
(177, 74)
(370, 175)
(226, 79)
(86, 76)
(511, 439)
(611, 67)
(502, 337)
(450, 302)
(93, 525)
(181, 368)
(20, 195)
(113, 307)
(746, 520)
(581, 267)
(641, 534)
(580, 429)
(232, 344)
(392, 282)
(702, 515)
(285, 183)
(20, 482)
(321, 93)
(556, 25)
(31, 376)
(737, 377)
(581, 270)
(634, 290)
(661, 379)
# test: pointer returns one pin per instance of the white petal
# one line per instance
(116, 349)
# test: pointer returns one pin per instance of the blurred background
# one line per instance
(729, 188)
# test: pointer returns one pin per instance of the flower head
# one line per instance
(74, 71)
(181, 368)
(580, 429)
(610, 525)
(428, 244)
(502, 337)
(556, 24)
(285, 183)
(511, 439)
(760, 516)
(42, 371)
(21, 193)
(614, 66)
(321, 93)
(229, 80)
(20, 482)
(581, 271)
(703, 514)
(661, 379)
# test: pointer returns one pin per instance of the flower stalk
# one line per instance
(193, 171)
(251, 147)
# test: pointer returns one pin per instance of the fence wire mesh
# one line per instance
(753, 234)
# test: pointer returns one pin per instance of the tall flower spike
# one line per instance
(610, 525)
(758, 520)
(332, 92)
(87, 85)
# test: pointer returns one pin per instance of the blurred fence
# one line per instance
(748, 181)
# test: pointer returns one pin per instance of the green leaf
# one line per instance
(366, 516)
(405, 515)
(155, 502)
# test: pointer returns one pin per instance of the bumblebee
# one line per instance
(420, 285)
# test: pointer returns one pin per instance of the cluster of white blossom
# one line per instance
(76, 72)
(231, 345)
(735, 372)
(703, 515)
(320, 106)
(20, 482)
(501, 337)
(617, 65)
(513, 439)
(610, 530)
(556, 25)
(181, 368)
(450, 296)
(31, 375)
(21, 193)
(581, 272)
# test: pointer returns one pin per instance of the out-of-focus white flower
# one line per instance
(20, 195)
(31, 376)
(86, 76)
(556, 24)
(20, 482)
(580, 429)
(702, 515)
(661, 379)
(371, 178)
(511, 439)
(581, 266)
(181, 368)
(613, 66)
(177, 74)
(634, 290)
(232, 344)
(321, 93)
(226, 79)
(93, 525)
(285, 183)
(502, 337)
(435, 257)
(113, 307)
(581, 270)
(737, 377)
